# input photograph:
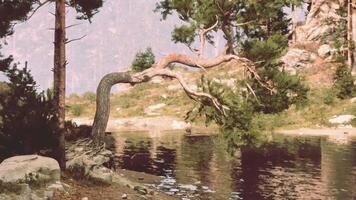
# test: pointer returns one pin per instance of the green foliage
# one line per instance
(28, 121)
(338, 35)
(14, 11)
(286, 89)
(77, 109)
(143, 60)
(240, 123)
(184, 34)
(265, 52)
(86, 9)
(235, 123)
(329, 96)
(261, 18)
(344, 82)
(89, 96)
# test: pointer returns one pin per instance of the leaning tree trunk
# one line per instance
(160, 69)
(103, 102)
(60, 79)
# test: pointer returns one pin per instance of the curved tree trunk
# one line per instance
(103, 102)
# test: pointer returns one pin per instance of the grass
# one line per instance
(322, 105)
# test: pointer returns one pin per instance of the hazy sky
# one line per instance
(117, 32)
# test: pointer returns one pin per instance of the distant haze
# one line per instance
(117, 32)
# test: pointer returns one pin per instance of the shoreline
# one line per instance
(169, 124)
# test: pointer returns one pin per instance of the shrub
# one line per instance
(28, 122)
(344, 82)
(329, 96)
(89, 96)
(77, 109)
(143, 60)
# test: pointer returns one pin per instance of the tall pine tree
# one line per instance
(15, 11)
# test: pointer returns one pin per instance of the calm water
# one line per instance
(285, 168)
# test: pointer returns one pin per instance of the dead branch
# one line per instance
(37, 8)
(76, 39)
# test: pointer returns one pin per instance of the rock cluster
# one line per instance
(84, 159)
(313, 32)
(315, 28)
(29, 177)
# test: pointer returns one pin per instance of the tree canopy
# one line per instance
(237, 19)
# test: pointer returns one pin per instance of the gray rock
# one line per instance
(295, 59)
(325, 51)
(341, 119)
(101, 174)
(29, 169)
(314, 29)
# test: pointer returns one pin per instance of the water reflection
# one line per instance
(284, 168)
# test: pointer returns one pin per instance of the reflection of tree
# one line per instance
(137, 151)
(337, 165)
(271, 170)
(165, 160)
(197, 153)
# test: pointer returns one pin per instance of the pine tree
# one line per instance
(237, 19)
(14, 11)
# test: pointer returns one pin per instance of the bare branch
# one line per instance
(37, 8)
(73, 25)
(76, 39)
(242, 24)
(195, 95)
(202, 37)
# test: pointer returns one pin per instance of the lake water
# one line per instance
(198, 167)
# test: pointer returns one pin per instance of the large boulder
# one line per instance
(29, 169)
(29, 177)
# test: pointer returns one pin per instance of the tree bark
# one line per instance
(227, 30)
(103, 102)
(353, 18)
(350, 59)
(59, 73)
